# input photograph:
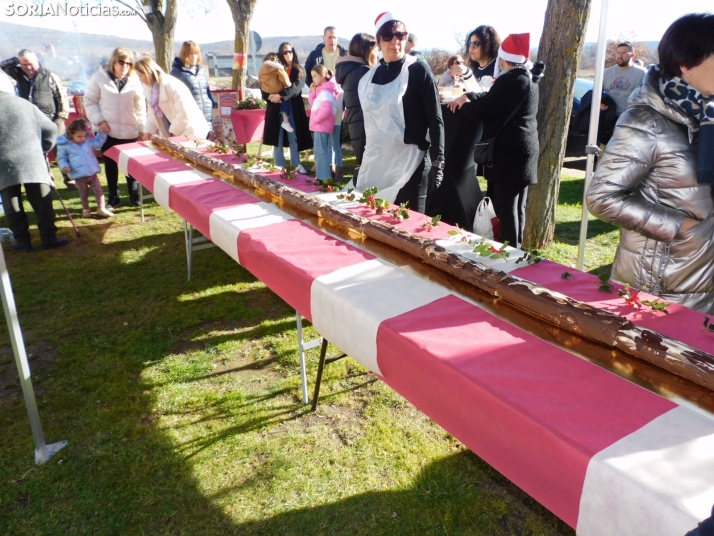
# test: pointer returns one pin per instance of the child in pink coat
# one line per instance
(323, 109)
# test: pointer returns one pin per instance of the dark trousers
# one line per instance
(40, 197)
(416, 188)
(509, 203)
(111, 170)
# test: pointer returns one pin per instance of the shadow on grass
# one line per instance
(445, 497)
(107, 309)
(569, 231)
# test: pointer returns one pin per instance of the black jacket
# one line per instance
(580, 123)
(423, 124)
(274, 120)
(350, 71)
(44, 90)
(197, 83)
(315, 58)
(516, 151)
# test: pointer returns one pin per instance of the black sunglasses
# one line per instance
(474, 44)
(287, 51)
(123, 63)
(401, 36)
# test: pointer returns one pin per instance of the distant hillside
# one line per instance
(58, 49)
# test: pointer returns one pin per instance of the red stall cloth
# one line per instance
(248, 125)
(607, 456)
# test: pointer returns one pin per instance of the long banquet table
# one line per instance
(606, 455)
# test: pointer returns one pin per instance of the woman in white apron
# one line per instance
(402, 121)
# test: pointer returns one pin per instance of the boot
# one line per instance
(339, 174)
(102, 210)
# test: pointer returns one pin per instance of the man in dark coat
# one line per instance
(326, 53)
(26, 134)
(41, 87)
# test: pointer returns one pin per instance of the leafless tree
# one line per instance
(160, 16)
(437, 59)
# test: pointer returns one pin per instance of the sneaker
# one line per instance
(113, 202)
(288, 127)
(70, 185)
(104, 213)
(301, 170)
(58, 243)
(17, 246)
(86, 213)
(134, 201)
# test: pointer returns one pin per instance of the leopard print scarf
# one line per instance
(680, 94)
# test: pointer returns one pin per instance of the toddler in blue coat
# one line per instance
(75, 156)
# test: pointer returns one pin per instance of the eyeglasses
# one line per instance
(124, 63)
(474, 44)
(459, 62)
(401, 36)
(287, 51)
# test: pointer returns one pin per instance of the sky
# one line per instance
(635, 19)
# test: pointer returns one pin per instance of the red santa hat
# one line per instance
(381, 20)
(516, 48)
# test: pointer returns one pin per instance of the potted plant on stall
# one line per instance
(248, 119)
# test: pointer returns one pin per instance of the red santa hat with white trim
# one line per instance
(382, 19)
(516, 49)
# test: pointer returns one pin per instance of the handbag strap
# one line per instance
(514, 111)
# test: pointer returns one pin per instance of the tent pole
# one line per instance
(592, 148)
(43, 451)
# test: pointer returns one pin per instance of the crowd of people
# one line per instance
(654, 179)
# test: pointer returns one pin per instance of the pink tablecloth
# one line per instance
(605, 455)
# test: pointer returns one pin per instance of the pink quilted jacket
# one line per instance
(323, 107)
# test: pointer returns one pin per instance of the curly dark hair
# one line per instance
(687, 42)
(490, 43)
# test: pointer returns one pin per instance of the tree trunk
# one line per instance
(560, 48)
(242, 11)
(162, 28)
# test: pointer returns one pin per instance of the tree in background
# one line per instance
(561, 45)
(242, 11)
(160, 16)
(437, 59)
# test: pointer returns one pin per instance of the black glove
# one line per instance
(436, 175)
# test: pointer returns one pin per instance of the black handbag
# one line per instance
(485, 149)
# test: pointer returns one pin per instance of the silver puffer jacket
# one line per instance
(646, 184)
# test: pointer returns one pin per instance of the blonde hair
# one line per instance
(150, 69)
(323, 71)
(189, 47)
(124, 54)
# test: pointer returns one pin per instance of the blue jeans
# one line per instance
(336, 145)
(323, 155)
(278, 152)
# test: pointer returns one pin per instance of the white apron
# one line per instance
(388, 163)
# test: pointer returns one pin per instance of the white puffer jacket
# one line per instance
(125, 112)
(179, 108)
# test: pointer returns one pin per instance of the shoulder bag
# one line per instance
(484, 149)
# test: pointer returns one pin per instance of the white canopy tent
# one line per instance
(592, 149)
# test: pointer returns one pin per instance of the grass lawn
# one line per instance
(180, 401)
